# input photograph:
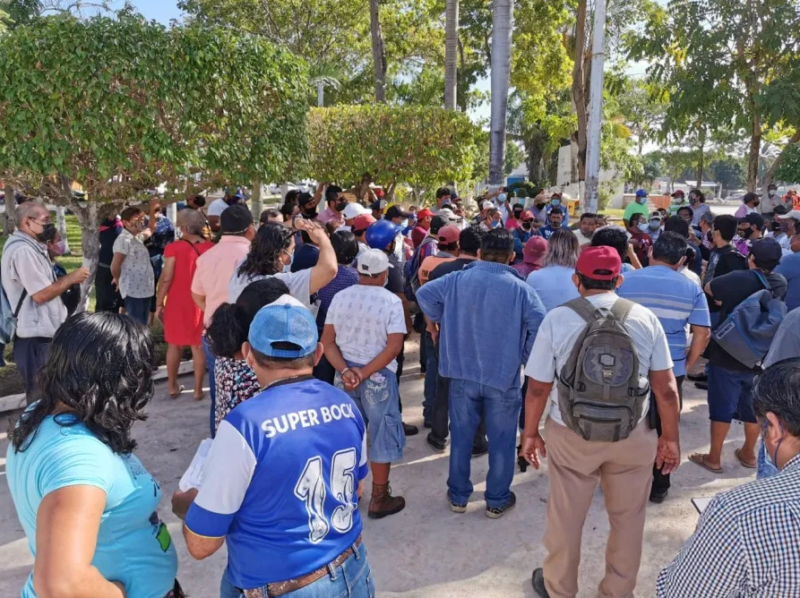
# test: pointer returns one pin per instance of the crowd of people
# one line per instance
(301, 319)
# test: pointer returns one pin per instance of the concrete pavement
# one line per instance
(426, 551)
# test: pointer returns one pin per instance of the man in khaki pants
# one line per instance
(623, 467)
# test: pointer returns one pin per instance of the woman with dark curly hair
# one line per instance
(271, 254)
(87, 504)
(235, 380)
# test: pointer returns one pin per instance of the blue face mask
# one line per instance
(771, 460)
(555, 203)
(496, 223)
(643, 227)
(641, 200)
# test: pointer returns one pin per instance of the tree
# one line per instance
(502, 29)
(122, 105)
(421, 146)
(451, 55)
(378, 50)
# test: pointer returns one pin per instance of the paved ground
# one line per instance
(425, 551)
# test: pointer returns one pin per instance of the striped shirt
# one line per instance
(747, 544)
(674, 299)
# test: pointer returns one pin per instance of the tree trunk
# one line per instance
(9, 221)
(462, 99)
(256, 201)
(502, 29)
(755, 149)
(89, 219)
(701, 157)
(579, 87)
(61, 225)
(769, 177)
(451, 55)
(378, 51)
(362, 186)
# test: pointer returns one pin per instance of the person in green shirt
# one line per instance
(637, 207)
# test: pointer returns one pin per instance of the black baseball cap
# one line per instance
(304, 198)
(236, 219)
(396, 212)
(766, 250)
(754, 218)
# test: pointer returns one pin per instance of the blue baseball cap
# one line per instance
(641, 193)
(284, 329)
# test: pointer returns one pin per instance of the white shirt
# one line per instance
(298, 283)
(217, 206)
(136, 278)
(560, 330)
(363, 317)
(691, 276)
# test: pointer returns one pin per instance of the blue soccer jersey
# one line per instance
(280, 482)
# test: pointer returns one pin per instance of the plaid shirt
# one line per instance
(747, 544)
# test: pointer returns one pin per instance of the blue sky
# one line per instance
(160, 10)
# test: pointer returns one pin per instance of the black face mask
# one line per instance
(540, 206)
(517, 213)
(200, 202)
(526, 225)
(309, 215)
(48, 233)
(339, 207)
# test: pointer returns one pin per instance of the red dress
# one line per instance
(183, 320)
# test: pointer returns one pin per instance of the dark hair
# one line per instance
(777, 391)
(587, 215)
(685, 208)
(289, 363)
(497, 246)
(291, 198)
(590, 284)
(130, 212)
(557, 211)
(345, 246)
(612, 237)
(100, 366)
(271, 239)
(727, 226)
(750, 197)
(442, 192)
(270, 213)
(636, 216)
(470, 240)
(700, 195)
(437, 222)
(331, 192)
(447, 246)
(781, 209)
(518, 206)
(230, 324)
(676, 224)
(670, 248)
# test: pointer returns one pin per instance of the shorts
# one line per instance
(730, 395)
(378, 399)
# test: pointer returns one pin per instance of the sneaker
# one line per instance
(658, 496)
(538, 583)
(410, 430)
(498, 512)
(701, 385)
(436, 443)
(480, 451)
(455, 506)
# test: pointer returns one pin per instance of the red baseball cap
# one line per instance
(527, 216)
(599, 263)
(449, 234)
(534, 251)
(426, 213)
(362, 222)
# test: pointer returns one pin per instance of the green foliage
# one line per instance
(789, 169)
(122, 105)
(514, 156)
(423, 147)
(730, 172)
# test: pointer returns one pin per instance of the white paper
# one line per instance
(701, 504)
(193, 477)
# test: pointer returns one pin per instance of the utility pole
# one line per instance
(595, 106)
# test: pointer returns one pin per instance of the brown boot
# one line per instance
(383, 503)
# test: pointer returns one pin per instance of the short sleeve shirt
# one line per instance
(635, 208)
(560, 330)
(298, 283)
(363, 317)
(62, 456)
(396, 281)
(216, 207)
(136, 278)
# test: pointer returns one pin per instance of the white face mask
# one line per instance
(643, 227)
(772, 193)
(404, 223)
(655, 224)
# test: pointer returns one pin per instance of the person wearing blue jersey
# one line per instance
(676, 301)
(363, 338)
(282, 480)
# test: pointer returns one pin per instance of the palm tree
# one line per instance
(378, 51)
(503, 26)
(450, 55)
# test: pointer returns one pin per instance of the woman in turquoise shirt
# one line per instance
(87, 504)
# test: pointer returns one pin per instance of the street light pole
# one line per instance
(595, 107)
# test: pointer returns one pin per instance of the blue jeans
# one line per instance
(431, 371)
(211, 360)
(138, 308)
(352, 579)
(227, 589)
(468, 402)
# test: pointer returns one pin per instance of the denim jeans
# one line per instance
(227, 589)
(431, 371)
(468, 402)
(211, 360)
(138, 308)
(352, 579)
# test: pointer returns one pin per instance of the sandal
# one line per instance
(744, 463)
(700, 460)
(175, 395)
(200, 397)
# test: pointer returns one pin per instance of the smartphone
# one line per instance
(701, 504)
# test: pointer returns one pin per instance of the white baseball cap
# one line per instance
(447, 214)
(486, 205)
(352, 210)
(795, 214)
(372, 261)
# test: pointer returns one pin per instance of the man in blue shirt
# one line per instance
(790, 269)
(483, 364)
(555, 221)
(676, 301)
(282, 480)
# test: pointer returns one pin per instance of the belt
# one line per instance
(284, 587)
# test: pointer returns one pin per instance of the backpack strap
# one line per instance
(21, 299)
(763, 280)
(583, 307)
(621, 309)
(192, 246)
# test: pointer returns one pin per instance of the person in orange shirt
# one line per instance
(448, 251)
